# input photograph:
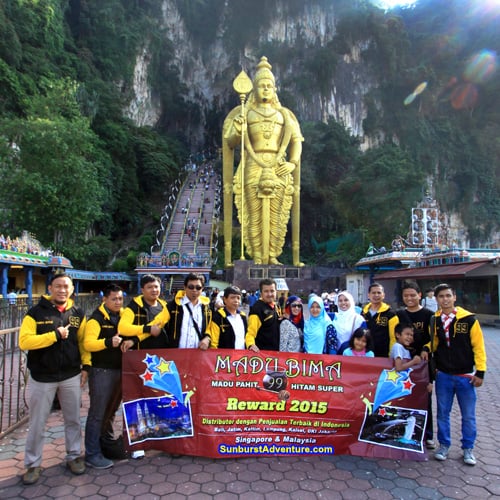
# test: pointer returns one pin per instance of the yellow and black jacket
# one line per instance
(466, 351)
(221, 331)
(50, 358)
(381, 326)
(100, 329)
(135, 322)
(264, 326)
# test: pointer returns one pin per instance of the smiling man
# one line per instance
(264, 320)
(419, 317)
(380, 319)
(229, 324)
(146, 315)
(458, 343)
(191, 315)
(53, 334)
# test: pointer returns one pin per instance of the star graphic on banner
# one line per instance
(149, 360)
(147, 376)
(382, 412)
(408, 384)
(393, 376)
(173, 403)
(163, 366)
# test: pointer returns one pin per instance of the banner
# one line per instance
(233, 403)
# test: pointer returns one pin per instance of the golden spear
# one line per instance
(243, 86)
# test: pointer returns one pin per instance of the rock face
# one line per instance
(144, 109)
(207, 72)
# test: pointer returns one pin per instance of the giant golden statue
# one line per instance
(266, 184)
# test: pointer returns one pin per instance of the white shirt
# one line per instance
(236, 322)
(189, 337)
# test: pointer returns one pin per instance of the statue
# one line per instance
(266, 184)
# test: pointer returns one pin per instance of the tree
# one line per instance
(51, 179)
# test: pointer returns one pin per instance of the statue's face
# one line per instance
(265, 90)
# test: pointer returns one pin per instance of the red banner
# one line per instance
(230, 403)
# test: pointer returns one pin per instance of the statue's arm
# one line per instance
(233, 125)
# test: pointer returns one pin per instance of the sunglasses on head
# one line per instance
(195, 287)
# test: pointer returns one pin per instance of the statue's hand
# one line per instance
(284, 169)
(240, 123)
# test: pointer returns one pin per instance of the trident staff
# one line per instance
(243, 86)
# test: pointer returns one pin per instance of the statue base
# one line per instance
(296, 280)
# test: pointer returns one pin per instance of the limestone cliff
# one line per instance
(208, 71)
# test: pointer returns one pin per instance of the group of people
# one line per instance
(449, 339)
(65, 349)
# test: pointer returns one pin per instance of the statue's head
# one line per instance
(264, 85)
(263, 71)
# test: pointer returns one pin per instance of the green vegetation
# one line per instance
(74, 170)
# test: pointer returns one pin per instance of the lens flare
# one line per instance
(464, 96)
(480, 67)
(409, 99)
(420, 88)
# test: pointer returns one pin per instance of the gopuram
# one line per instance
(266, 184)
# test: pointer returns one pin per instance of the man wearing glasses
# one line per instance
(190, 315)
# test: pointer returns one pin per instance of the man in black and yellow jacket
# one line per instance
(229, 323)
(380, 320)
(52, 332)
(460, 358)
(146, 315)
(103, 341)
(190, 315)
(264, 320)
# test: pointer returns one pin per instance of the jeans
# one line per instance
(105, 396)
(447, 386)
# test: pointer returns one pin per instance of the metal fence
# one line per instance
(14, 377)
(14, 373)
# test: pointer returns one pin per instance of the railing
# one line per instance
(14, 379)
(14, 372)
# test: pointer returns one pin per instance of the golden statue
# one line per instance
(270, 141)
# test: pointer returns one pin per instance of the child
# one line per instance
(399, 351)
(360, 343)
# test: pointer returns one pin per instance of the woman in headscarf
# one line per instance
(346, 319)
(319, 333)
(292, 326)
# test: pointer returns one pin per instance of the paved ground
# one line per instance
(161, 476)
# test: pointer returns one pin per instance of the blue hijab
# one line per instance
(315, 328)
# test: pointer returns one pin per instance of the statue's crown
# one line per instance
(264, 70)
